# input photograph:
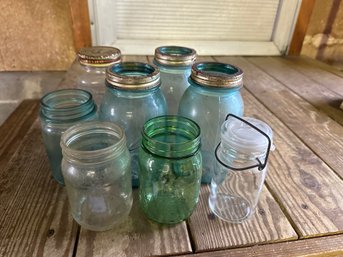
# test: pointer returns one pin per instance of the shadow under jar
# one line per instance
(97, 174)
(93, 64)
(132, 97)
(170, 174)
(60, 110)
(214, 91)
(175, 63)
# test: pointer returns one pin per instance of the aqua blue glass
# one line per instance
(132, 97)
(214, 92)
(175, 63)
(59, 110)
(170, 174)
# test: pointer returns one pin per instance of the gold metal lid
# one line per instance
(175, 56)
(215, 74)
(133, 76)
(99, 56)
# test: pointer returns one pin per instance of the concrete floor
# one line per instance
(16, 86)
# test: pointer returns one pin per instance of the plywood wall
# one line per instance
(35, 35)
(324, 37)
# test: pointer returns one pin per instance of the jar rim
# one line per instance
(92, 128)
(99, 56)
(168, 125)
(133, 76)
(216, 74)
(174, 56)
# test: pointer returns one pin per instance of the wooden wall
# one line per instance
(324, 36)
(36, 35)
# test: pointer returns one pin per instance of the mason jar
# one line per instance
(92, 73)
(171, 163)
(97, 175)
(214, 91)
(59, 110)
(175, 63)
(132, 97)
(240, 168)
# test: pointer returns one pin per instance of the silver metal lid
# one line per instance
(99, 56)
(133, 76)
(175, 56)
(215, 74)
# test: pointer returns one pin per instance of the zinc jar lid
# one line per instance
(215, 74)
(243, 138)
(99, 56)
(175, 56)
(133, 76)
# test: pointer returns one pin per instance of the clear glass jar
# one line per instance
(132, 97)
(241, 168)
(175, 63)
(97, 174)
(59, 110)
(93, 64)
(170, 174)
(214, 91)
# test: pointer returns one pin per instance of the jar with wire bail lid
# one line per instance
(175, 63)
(214, 91)
(241, 167)
(92, 69)
(132, 97)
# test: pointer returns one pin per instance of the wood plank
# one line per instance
(34, 217)
(308, 190)
(15, 128)
(317, 73)
(321, 65)
(319, 132)
(135, 58)
(137, 236)
(300, 29)
(267, 225)
(316, 247)
(318, 95)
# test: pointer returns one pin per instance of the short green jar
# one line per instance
(170, 168)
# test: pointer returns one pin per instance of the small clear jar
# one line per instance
(97, 174)
(132, 97)
(59, 110)
(214, 91)
(171, 166)
(175, 63)
(93, 64)
(241, 168)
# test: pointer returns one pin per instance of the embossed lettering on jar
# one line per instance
(60, 110)
(214, 91)
(132, 97)
(175, 63)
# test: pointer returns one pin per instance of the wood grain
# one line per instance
(317, 94)
(300, 29)
(34, 217)
(319, 132)
(267, 225)
(15, 128)
(137, 236)
(316, 247)
(308, 189)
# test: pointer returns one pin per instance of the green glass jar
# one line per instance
(170, 168)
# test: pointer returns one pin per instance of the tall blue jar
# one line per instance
(214, 92)
(60, 110)
(132, 97)
(175, 63)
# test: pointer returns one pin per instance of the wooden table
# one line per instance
(300, 212)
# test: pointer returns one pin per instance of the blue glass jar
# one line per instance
(132, 97)
(93, 64)
(175, 63)
(60, 110)
(213, 93)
